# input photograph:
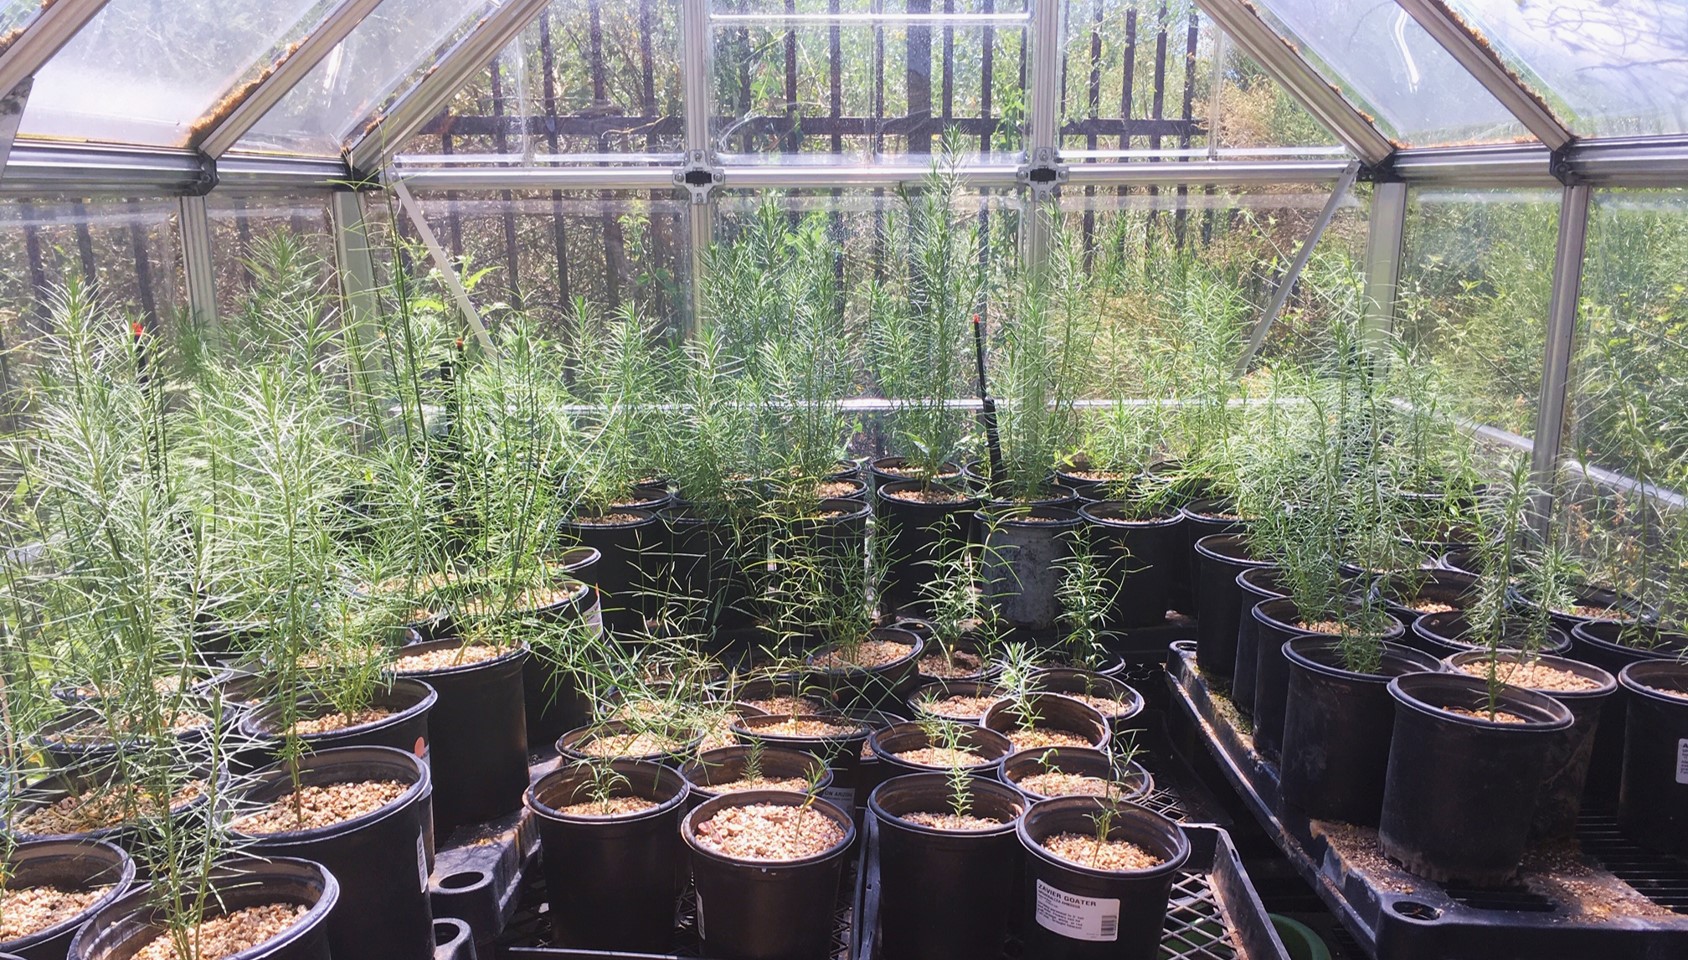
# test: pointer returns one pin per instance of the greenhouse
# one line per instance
(843, 479)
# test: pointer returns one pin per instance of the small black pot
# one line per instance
(727, 764)
(477, 735)
(621, 574)
(1219, 603)
(1075, 912)
(1461, 791)
(870, 686)
(1400, 591)
(842, 753)
(1612, 645)
(125, 925)
(1254, 585)
(569, 744)
(404, 729)
(944, 894)
(68, 865)
(1054, 712)
(1077, 683)
(766, 910)
(1139, 559)
(889, 744)
(1337, 729)
(380, 858)
(611, 881)
(1444, 634)
(943, 689)
(1562, 793)
(1276, 622)
(1653, 799)
(913, 531)
(1132, 778)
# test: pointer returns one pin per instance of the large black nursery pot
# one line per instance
(1567, 766)
(627, 541)
(841, 751)
(573, 744)
(874, 686)
(1052, 711)
(1219, 603)
(889, 745)
(764, 909)
(1653, 798)
(1139, 558)
(380, 858)
(405, 728)
(1082, 684)
(551, 695)
(1445, 634)
(725, 765)
(1408, 595)
(914, 529)
(1074, 912)
(67, 865)
(477, 735)
(705, 560)
(944, 894)
(1201, 517)
(611, 881)
(1278, 622)
(1461, 790)
(1590, 603)
(944, 689)
(1132, 781)
(1025, 549)
(66, 783)
(1254, 585)
(126, 925)
(884, 470)
(1612, 646)
(1337, 728)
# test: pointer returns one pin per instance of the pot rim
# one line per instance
(422, 706)
(1120, 765)
(419, 788)
(974, 784)
(1167, 517)
(1104, 731)
(993, 738)
(124, 863)
(917, 647)
(688, 826)
(1171, 862)
(1395, 631)
(592, 729)
(504, 659)
(1633, 677)
(531, 801)
(1295, 651)
(1515, 700)
(691, 770)
(1209, 545)
(644, 516)
(1608, 682)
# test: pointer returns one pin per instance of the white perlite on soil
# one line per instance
(1107, 855)
(1054, 783)
(444, 657)
(29, 910)
(229, 934)
(769, 831)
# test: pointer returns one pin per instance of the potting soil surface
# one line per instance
(959, 663)
(94, 809)
(769, 831)
(442, 658)
(867, 654)
(1086, 851)
(27, 910)
(340, 721)
(1038, 738)
(959, 707)
(1533, 675)
(951, 821)
(945, 757)
(1054, 783)
(315, 806)
(229, 934)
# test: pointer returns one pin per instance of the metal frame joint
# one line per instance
(1560, 165)
(699, 177)
(1043, 174)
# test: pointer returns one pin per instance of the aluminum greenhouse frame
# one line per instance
(1556, 157)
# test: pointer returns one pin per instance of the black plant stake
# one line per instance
(988, 406)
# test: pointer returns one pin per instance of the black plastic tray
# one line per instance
(1213, 913)
(1602, 898)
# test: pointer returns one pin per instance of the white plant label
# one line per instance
(844, 797)
(422, 861)
(1682, 761)
(1075, 917)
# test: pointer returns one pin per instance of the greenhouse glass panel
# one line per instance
(15, 15)
(362, 75)
(588, 79)
(1626, 439)
(257, 238)
(866, 88)
(1386, 64)
(1113, 54)
(141, 72)
(1476, 279)
(1608, 69)
(540, 251)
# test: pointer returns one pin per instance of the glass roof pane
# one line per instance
(1386, 65)
(1608, 68)
(142, 72)
(13, 15)
(364, 73)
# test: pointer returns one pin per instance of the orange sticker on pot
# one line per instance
(421, 748)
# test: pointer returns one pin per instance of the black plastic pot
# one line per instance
(569, 744)
(69, 748)
(1612, 646)
(1617, 606)
(1444, 634)
(1276, 621)
(626, 570)
(1075, 912)
(944, 894)
(477, 733)
(1202, 517)
(1219, 603)
(1091, 485)
(380, 858)
(1567, 765)
(1138, 557)
(986, 669)
(1461, 791)
(1023, 562)
(704, 561)
(882, 470)
(1053, 712)
(1103, 663)
(127, 924)
(727, 764)
(1400, 592)
(913, 531)
(404, 729)
(944, 689)
(889, 744)
(611, 881)
(870, 686)
(766, 910)
(842, 752)
(869, 774)
(57, 786)
(1133, 780)
(1085, 683)
(1254, 585)
(1653, 799)
(1337, 728)
(551, 696)
(1047, 495)
(68, 865)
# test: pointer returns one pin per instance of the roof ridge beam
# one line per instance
(1284, 64)
(387, 132)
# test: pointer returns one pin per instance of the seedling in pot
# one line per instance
(1086, 596)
